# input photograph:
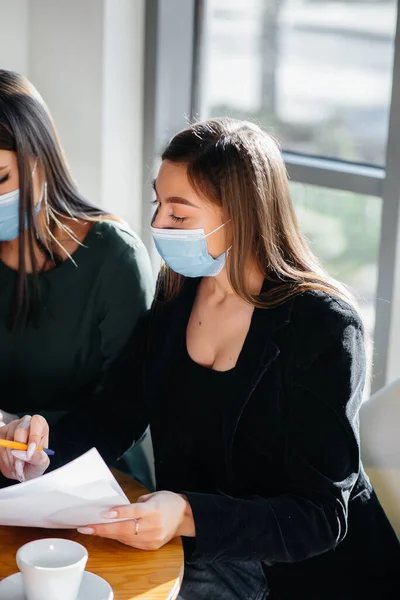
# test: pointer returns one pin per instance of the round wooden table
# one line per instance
(131, 573)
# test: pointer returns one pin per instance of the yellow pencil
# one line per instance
(21, 446)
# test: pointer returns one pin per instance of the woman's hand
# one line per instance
(19, 464)
(6, 418)
(155, 520)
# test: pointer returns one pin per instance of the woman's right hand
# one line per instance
(6, 417)
(20, 464)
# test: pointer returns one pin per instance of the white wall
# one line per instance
(65, 64)
(86, 59)
(14, 35)
(122, 108)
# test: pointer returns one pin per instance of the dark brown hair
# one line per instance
(26, 127)
(239, 167)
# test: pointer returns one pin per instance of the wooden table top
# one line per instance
(131, 573)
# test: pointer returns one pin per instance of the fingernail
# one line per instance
(31, 450)
(111, 514)
(19, 470)
(85, 530)
(20, 454)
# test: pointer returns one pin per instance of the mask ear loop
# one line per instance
(34, 167)
(36, 208)
(43, 195)
(218, 228)
(43, 198)
(46, 210)
(46, 205)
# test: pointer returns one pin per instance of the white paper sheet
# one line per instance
(70, 497)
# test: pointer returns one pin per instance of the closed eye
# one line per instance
(4, 179)
(171, 216)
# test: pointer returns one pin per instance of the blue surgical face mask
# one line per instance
(9, 204)
(9, 214)
(185, 251)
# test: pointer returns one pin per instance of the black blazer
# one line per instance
(294, 494)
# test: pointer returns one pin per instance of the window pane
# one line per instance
(317, 72)
(344, 231)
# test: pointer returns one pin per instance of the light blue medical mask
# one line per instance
(9, 213)
(185, 251)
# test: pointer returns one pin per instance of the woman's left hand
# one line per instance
(156, 519)
(25, 464)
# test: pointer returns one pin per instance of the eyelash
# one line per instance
(4, 179)
(173, 217)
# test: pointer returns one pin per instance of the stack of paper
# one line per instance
(72, 496)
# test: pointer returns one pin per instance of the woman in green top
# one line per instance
(73, 279)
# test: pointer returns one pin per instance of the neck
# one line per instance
(9, 251)
(220, 285)
(222, 288)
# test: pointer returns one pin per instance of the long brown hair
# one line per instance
(26, 127)
(239, 167)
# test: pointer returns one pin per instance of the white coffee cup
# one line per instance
(52, 569)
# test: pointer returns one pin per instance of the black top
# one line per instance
(303, 506)
(89, 307)
(195, 399)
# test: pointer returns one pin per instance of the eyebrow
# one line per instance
(175, 199)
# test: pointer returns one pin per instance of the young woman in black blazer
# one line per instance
(250, 369)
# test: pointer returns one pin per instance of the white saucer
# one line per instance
(92, 587)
